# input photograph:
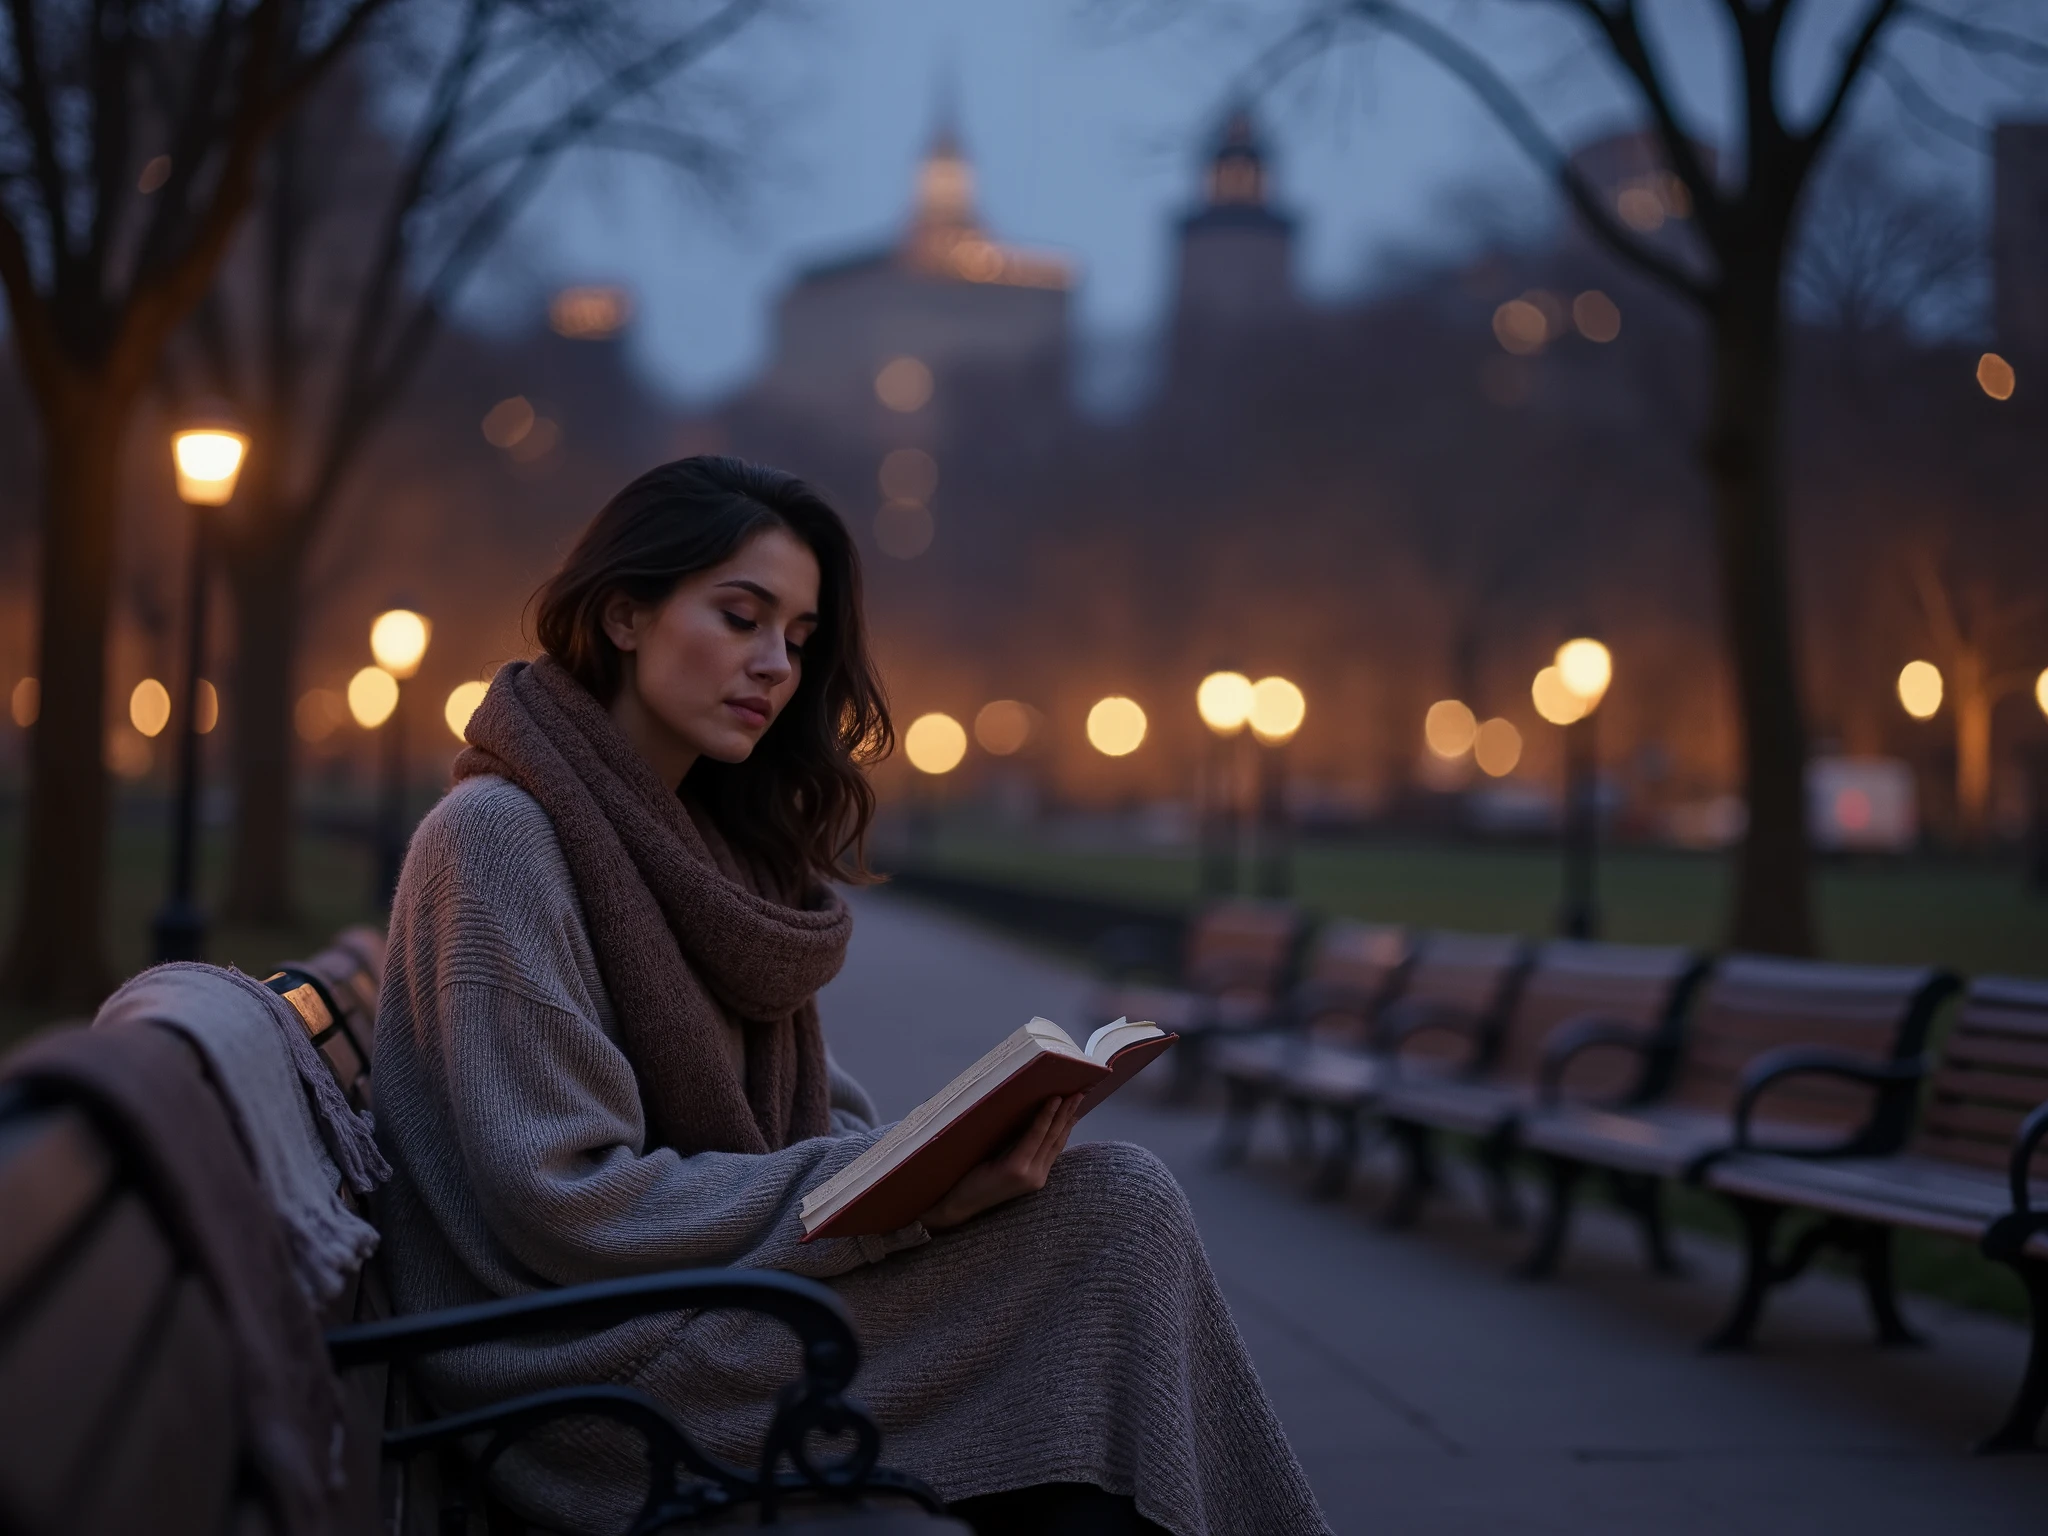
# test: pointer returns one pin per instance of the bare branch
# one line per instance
(1854, 58)
(1921, 106)
(1974, 36)
(32, 91)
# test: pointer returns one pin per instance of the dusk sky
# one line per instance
(1086, 132)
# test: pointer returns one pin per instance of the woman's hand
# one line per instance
(1021, 1170)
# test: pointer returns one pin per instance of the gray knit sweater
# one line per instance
(1076, 1335)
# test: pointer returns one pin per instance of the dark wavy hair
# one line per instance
(800, 800)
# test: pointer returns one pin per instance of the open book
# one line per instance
(925, 1153)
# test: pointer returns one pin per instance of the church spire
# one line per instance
(1237, 171)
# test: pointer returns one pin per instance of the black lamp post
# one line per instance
(208, 459)
(1568, 693)
(1278, 709)
(1224, 701)
(398, 640)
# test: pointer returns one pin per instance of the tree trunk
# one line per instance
(1973, 705)
(263, 573)
(1773, 898)
(57, 957)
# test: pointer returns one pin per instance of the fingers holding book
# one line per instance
(1021, 1169)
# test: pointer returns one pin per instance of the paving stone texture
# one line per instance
(1428, 1392)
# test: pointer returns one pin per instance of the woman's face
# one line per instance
(715, 661)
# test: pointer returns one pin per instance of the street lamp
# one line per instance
(1278, 708)
(207, 458)
(398, 640)
(936, 744)
(1568, 693)
(1224, 701)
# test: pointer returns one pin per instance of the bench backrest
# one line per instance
(335, 996)
(1242, 948)
(1993, 1073)
(117, 1401)
(1755, 1003)
(1352, 970)
(1471, 976)
(1637, 984)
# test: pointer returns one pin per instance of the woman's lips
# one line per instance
(752, 712)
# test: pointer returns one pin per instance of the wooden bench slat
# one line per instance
(1984, 1048)
(65, 1357)
(169, 1466)
(2016, 1091)
(53, 1173)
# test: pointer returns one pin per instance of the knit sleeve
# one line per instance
(519, 1119)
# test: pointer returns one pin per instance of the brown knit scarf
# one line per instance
(687, 936)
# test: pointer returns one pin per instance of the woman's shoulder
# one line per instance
(486, 826)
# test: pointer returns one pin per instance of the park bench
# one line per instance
(1233, 970)
(1572, 986)
(1683, 1116)
(1354, 970)
(120, 1409)
(1455, 991)
(1976, 1169)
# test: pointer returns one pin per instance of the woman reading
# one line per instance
(599, 1055)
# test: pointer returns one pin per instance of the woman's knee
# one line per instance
(1124, 1180)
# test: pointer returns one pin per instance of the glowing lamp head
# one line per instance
(398, 640)
(1278, 708)
(2041, 690)
(1116, 726)
(1224, 701)
(1450, 728)
(1586, 668)
(1554, 699)
(209, 462)
(463, 699)
(935, 744)
(372, 696)
(1920, 689)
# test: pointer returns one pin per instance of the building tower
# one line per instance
(1236, 248)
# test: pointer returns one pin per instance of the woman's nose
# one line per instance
(771, 660)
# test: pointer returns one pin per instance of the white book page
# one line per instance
(1117, 1034)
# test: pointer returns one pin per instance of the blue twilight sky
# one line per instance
(1085, 128)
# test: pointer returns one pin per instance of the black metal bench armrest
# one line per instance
(2033, 1131)
(1588, 1032)
(1896, 1082)
(811, 1311)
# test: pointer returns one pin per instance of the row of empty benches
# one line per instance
(1829, 1104)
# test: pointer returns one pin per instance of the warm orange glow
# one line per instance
(507, 423)
(590, 313)
(1278, 708)
(1004, 727)
(206, 708)
(904, 384)
(209, 462)
(1995, 376)
(1554, 699)
(1596, 316)
(1920, 689)
(1449, 728)
(1587, 667)
(1641, 208)
(25, 702)
(909, 474)
(1224, 701)
(1496, 748)
(463, 699)
(318, 714)
(1116, 726)
(1521, 327)
(128, 754)
(903, 529)
(372, 696)
(2041, 691)
(149, 707)
(155, 172)
(935, 743)
(398, 639)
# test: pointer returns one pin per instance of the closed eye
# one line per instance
(744, 625)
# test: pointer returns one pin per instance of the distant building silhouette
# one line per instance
(1236, 257)
(2019, 237)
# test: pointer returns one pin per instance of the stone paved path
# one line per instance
(1426, 1392)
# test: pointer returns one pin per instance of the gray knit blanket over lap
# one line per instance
(1077, 1334)
(689, 938)
(301, 1134)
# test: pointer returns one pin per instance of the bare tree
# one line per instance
(1877, 254)
(353, 263)
(1745, 204)
(101, 263)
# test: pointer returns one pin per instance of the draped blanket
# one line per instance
(687, 936)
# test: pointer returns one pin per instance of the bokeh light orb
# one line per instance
(1596, 316)
(206, 708)
(1005, 727)
(1449, 729)
(372, 696)
(908, 474)
(1995, 376)
(1497, 748)
(208, 462)
(1920, 689)
(319, 713)
(149, 707)
(1224, 701)
(1587, 667)
(1554, 699)
(398, 639)
(2041, 690)
(903, 529)
(904, 384)
(1278, 708)
(463, 699)
(935, 743)
(1116, 726)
